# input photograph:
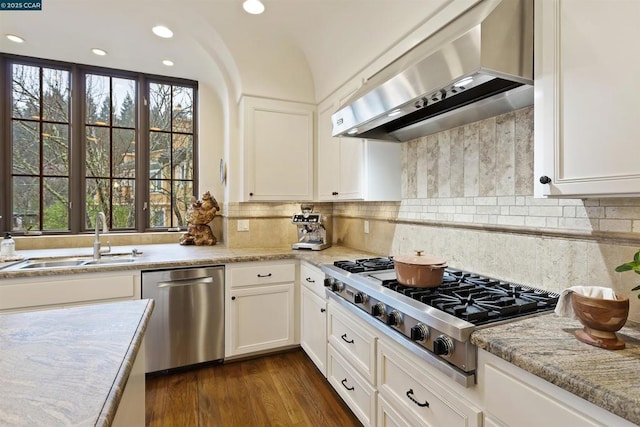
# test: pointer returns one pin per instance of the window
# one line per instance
(39, 147)
(79, 140)
(170, 152)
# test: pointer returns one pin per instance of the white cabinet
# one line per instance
(355, 169)
(36, 293)
(404, 381)
(533, 401)
(260, 312)
(587, 89)
(131, 411)
(278, 149)
(351, 363)
(313, 316)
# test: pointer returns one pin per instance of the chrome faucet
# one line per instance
(97, 253)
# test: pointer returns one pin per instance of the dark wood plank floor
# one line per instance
(283, 389)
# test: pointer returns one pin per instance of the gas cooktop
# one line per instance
(439, 319)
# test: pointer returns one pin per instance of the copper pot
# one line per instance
(419, 270)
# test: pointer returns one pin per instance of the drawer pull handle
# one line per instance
(310, 280)
(344, 338)
(344, 384)
(264, 275)
(411, 398)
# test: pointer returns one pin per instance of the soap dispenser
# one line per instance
(8, 246)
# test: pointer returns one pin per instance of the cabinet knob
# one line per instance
(545, 179)
(322, 310)
(233, 298)
(335, 193)
(250, 194)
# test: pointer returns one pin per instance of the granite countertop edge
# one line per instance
(562, 360)
(107, 415)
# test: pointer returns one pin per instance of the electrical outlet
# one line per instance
(366, 227)
(243, 225)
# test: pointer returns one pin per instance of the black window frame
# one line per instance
(77, 198)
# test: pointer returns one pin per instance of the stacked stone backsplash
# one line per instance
(467, 195)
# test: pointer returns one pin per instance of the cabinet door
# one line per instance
(278, 151)
(261, 318)
(313, 328)
(351, 169)
(586, 112)
(328, 155)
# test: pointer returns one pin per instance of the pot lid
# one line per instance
(420, 258)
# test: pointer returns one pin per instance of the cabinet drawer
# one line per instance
(402, 383)
(357, 393)
(67, 291)
(351, 337)
(260, 274)
(312, 278)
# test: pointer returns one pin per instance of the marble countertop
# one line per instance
(546, 346)
(175, 255)
(68, 366)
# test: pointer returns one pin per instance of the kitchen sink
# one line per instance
(29, 264)
(103, 261)
(67, 262)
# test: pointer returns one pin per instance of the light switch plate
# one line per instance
(366, 227)
(243, 225)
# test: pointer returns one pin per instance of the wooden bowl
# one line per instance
(601, 319)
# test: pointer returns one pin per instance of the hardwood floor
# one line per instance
(283, 389)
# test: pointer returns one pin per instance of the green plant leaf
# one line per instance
(625, 267)
(636, 288)
(636, 257)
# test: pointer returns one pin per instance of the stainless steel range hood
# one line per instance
(478, 66)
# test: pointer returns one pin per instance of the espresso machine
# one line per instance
(311, 233)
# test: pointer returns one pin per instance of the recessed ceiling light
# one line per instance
(167, 62)
(162, 31)
(15, 38)
(99, 52)
(254, 7)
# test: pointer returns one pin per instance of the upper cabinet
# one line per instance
(587, 89)
(278, 150)
(355, 169)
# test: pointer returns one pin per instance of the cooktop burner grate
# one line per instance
(365, 265)
(479, 300)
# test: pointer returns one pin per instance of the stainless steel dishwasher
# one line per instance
(187, 324)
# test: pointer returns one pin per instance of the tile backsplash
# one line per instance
(467, 195)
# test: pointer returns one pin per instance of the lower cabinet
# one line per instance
(131, 411)
(260, 312)
(36, 293)
(533, 401)
(388, 416)
(313, 315)
(351, 363)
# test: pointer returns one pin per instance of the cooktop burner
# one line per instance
(365, 265)
(479, 300)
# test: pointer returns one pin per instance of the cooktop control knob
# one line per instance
(328, 282)
(378, 310)
(443, 345)
(337, 286)
(420, 332)
(360, 298)
(394, 318)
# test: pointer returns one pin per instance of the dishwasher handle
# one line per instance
(186, 282)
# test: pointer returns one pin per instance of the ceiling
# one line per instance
(316, 44)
